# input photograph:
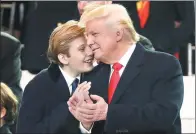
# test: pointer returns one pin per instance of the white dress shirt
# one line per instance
(69, 79)
(124, 60)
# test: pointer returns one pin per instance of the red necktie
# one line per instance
(143, 9)
(114, 80)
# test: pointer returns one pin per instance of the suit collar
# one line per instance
(54, 72)
(131, 71)
(60, 82)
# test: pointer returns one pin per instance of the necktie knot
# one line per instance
(117, 66)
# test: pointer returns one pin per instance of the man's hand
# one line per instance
(88, 112)
(81, 94)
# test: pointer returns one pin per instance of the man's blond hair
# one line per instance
(61, 37)
(113, 14)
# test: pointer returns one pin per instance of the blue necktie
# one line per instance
(74, 85)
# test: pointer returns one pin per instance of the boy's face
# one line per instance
(81, 56)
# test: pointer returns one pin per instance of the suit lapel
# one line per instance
(131, 71)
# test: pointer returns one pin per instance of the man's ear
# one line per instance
(3, 112)
(119, 34)
(63, 58)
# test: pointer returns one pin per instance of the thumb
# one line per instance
(96, 97)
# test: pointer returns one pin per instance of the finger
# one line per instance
(86, 116)
(96, 97)
(86, 111)
(89, 106)
(71, 111)
(81, 85)
(74, 97)
(71, 105)
(89, 101)
(87, 98)
(85, 87)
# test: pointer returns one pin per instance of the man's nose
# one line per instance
(90, 41)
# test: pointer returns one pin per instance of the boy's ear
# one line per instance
(63, 59)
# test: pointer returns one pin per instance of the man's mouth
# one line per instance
(95, 49)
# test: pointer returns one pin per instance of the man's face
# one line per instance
(81, 56)
(101, 39)
(82, 4)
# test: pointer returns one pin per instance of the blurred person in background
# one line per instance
(8, 107)
(10, 68)
(81, 7)
(44, 104)
(40, 19)
(167, 24)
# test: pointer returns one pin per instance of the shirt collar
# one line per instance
(69, 79)
(125, 59)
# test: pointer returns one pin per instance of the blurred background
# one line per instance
(26, 25)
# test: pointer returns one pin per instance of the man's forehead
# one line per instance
(93, 25)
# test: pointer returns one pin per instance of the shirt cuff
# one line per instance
(83, 130)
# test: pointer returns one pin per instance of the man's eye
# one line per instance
(81, 49)
(95, 34)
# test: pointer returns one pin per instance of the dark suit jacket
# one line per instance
(44, 106)
(10, 68)
(148, 97)
(159, 28)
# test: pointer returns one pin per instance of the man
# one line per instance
(134, 90)
(44, 108)
(94, 4)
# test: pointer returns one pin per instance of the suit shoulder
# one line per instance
(9, 43)
(162, 59)
(9, 37)
(162, 55)
(38, 83)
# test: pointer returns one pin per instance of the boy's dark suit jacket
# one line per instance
(148, 97)
(44, 106)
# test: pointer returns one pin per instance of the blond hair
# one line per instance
(112, 13)
(60, 38)
(9, 102)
